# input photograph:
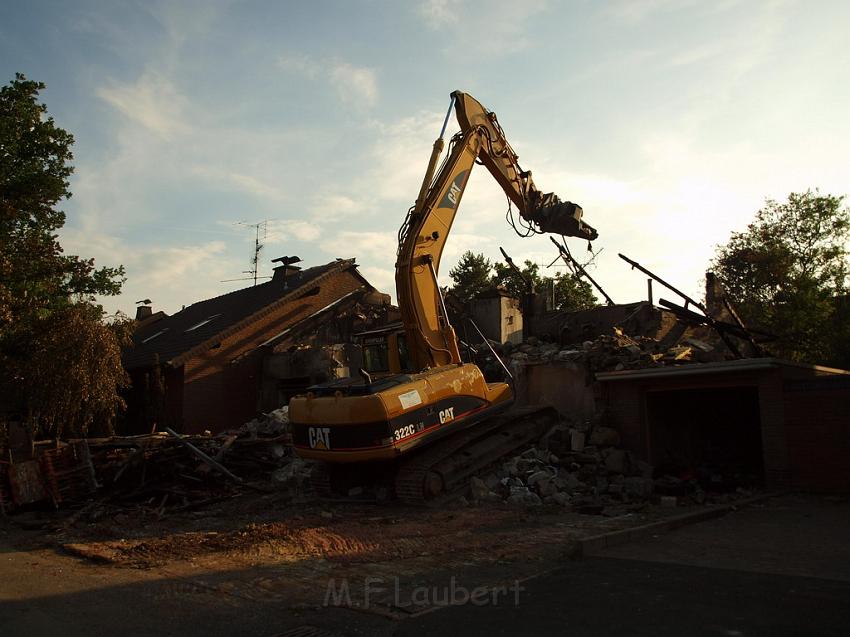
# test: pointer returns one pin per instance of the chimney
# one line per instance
(143, 312)
(285, 269)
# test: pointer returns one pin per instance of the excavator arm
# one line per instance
(422, 237)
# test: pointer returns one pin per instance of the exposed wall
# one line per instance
(498, 317)
(637, 319)
(562, 385)
(817, 422)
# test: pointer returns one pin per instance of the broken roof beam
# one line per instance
(731, 328)
(688, 300)
(708, 319)
(568, 258)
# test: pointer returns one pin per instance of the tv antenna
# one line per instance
(260, 232)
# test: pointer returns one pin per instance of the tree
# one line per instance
(573, 294)
(786, 272)
(471, 276)
(515, 285)
(570, 292)
(58, 362)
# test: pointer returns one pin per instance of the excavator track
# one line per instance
(441, 471)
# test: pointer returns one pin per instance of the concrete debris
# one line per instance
(610, 352)
(524, 497)
(480, 492)
(599, 478)
(275, 423)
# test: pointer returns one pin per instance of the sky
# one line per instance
(669, 122)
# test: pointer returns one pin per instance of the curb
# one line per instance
(593, 543)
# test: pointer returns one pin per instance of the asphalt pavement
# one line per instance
(780, 567)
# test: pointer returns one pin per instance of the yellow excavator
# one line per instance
(424, 433)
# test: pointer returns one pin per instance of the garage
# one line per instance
(748, 422)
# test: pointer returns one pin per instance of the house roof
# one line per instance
(174, 338)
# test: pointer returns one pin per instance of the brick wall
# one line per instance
(624, 407)
(219, 393)
(817, 422)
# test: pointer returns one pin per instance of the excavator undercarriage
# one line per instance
(441, 470)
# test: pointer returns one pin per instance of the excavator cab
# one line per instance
(384, 351)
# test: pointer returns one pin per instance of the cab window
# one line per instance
(375, 358)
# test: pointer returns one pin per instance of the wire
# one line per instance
(527, 228)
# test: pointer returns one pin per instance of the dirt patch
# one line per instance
(351, 535)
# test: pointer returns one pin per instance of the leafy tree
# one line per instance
(786, 272)
(506, 277)
(58, 361)
(571, 293)
(74, 370)
(471, 276)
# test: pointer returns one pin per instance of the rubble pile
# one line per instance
(581, 467)
(160, 472)
(573, 466)
(614, 352)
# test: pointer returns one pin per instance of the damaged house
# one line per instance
(217, 363)
(694, 396)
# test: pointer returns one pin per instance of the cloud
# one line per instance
(172, 276)
(299, 63)
(353, 84)
(438, 13)
(152, 101)
(503, 24)
(190, 19)
(638, 10)
(222, 178)
(382, 278)
(334, 206)
(281, 231)
(378, 247)
(401, 150)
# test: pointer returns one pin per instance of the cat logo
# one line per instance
(454, 191)
(319, 437)
(452, 196)
(447, 415)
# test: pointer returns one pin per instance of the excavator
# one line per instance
(424, 433)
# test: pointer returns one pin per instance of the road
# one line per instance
(779, 568)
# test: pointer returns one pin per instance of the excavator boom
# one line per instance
(422, 237)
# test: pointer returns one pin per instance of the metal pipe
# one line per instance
(436, 151)
(439, 294)
(492, 351)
